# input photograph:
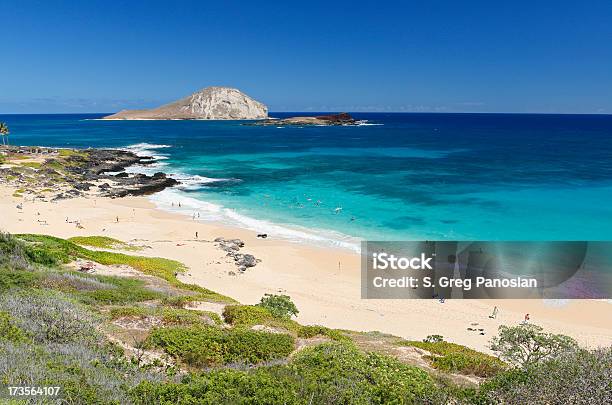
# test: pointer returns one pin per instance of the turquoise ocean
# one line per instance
(396, 177)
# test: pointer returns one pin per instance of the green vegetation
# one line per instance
(280, 306)
(9, 331)
(57, 251)
(33, 165)
(331, 373)
(57, 325)
(169, 316)
(310, 331)
(526, 344)
(103, 242)
(209, 346)
(452, 357)
(71, 152)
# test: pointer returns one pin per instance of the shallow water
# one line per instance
(413, 176)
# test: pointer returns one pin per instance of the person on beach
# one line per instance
(526, 320)
(196, 234)
(117, 219)
(494, 314)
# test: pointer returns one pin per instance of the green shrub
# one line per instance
(523, 345)
(17, 279)
(49, 317)
(310, 331)
(249, 315)
(8, 330)
(246, 315)
(340, 373)
(326, 374)
(572, 377)
(280, 306)
(169, 316)
(433, 339)
(211, 346)
(454, 358)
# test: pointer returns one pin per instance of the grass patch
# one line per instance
(71, 152)
(455, 358)
(169, 316)
(103, 242)
(211, 346)
(33, 165)
(50, 250)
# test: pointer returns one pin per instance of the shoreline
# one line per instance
(323, 282)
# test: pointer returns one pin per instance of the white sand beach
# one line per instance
(323, 282)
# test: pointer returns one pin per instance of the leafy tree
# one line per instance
(574, 377)
(524, 345)
(280, 306)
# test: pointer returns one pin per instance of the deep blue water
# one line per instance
(411, 176)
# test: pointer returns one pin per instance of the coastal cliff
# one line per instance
(211, 103)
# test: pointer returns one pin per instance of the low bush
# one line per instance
(17, 279)
(280, 306)
(455, 358)
(310, 331)
(211, 346)
(9, 331)
(48, 317)
(12, 254)
(246, 316)
(169, 316)
(331, 373)
(573, 377)
(87, 374)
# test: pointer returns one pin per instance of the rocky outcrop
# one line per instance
(211, 103)
(319, 120)
(232, 247)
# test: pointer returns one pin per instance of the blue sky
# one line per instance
(463, 56)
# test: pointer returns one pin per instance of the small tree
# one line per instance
(434, 339)
(527, 344)
(279, 306)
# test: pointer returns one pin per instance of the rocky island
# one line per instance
(319, 120)
(211, 103)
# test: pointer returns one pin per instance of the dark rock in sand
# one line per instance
(83, 186)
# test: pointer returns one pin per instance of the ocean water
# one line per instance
(400, 177)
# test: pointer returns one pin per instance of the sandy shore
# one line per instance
(323, 282)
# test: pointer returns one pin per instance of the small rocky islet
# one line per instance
(341, 119)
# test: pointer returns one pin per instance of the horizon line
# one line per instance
(341, 111)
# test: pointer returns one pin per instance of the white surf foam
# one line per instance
(169, 199)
